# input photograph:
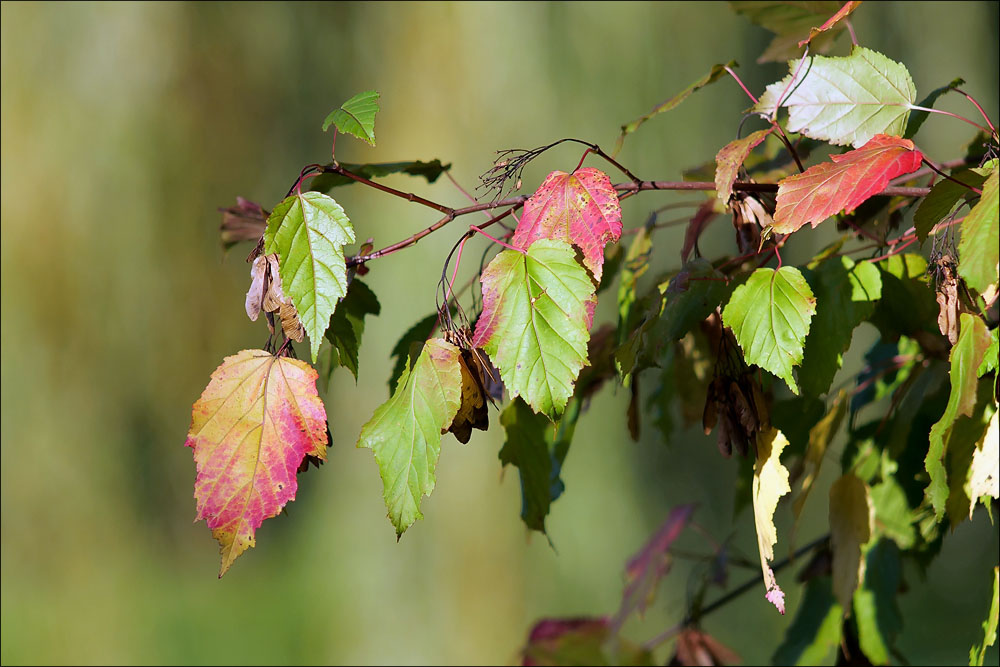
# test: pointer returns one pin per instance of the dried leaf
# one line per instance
(730, 158)
(984, 473)
(841, 14)
(770, 482)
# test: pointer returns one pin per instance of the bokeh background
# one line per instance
(125, 126)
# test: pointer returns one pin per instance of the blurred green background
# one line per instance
(124, 127)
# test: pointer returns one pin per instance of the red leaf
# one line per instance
(647, 567)
(580, 208)
(257, 419)
(704, 215)
(843, 184)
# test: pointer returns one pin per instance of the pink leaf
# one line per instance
(257, 419)
(580, 208)
(844, 183)
(646, 568)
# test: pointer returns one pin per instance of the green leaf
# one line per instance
(814, 635)
(356, 116)
(846, 294)
(430, 171)
(966, 355)
(990, 358)
(770, 316)
(918, 117)
(875, 609)
(907, 306)
(418, 333)
(635, 265)
(405, 431)
(531, 447)
(979, 249)
(671, 310)
(843, 100)
(942, 200)
(977, 654)
(309, 231)
(894, 517)
(347, 325)
(534, 322)
(790, 20)
(713, 75)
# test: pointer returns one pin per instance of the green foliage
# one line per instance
(405, 431)
(356, 116)
(919, 418)
(308, 231)
(770, 316)
(533, 323)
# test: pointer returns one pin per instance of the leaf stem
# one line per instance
(408, 196)
(976, 104)
(915, 107)
(950, 178)
(740, 82)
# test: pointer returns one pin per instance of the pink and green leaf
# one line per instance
(580, 208)
(535, 321)
(257, 419)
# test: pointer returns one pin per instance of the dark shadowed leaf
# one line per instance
(430, 171)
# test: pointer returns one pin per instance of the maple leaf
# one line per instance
(843, 184)
(257, 419)
(770, 482)
(405, 431)
(534, 322)
(580, 208)
(472, 412)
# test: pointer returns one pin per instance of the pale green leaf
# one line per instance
(309, 231)
(356, 116)
(983, 478)
(979, 249)
(770, 316)
(534, 322)
(405, 431)
(966, 356)
(845, 101)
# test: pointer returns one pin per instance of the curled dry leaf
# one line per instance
(265, 294)
(695, 647)
(244, 222)
(947, 296)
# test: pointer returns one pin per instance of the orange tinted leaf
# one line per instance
(843, 184)
(841, 14)
(729, 160)
(255, 422)
(580, 208)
